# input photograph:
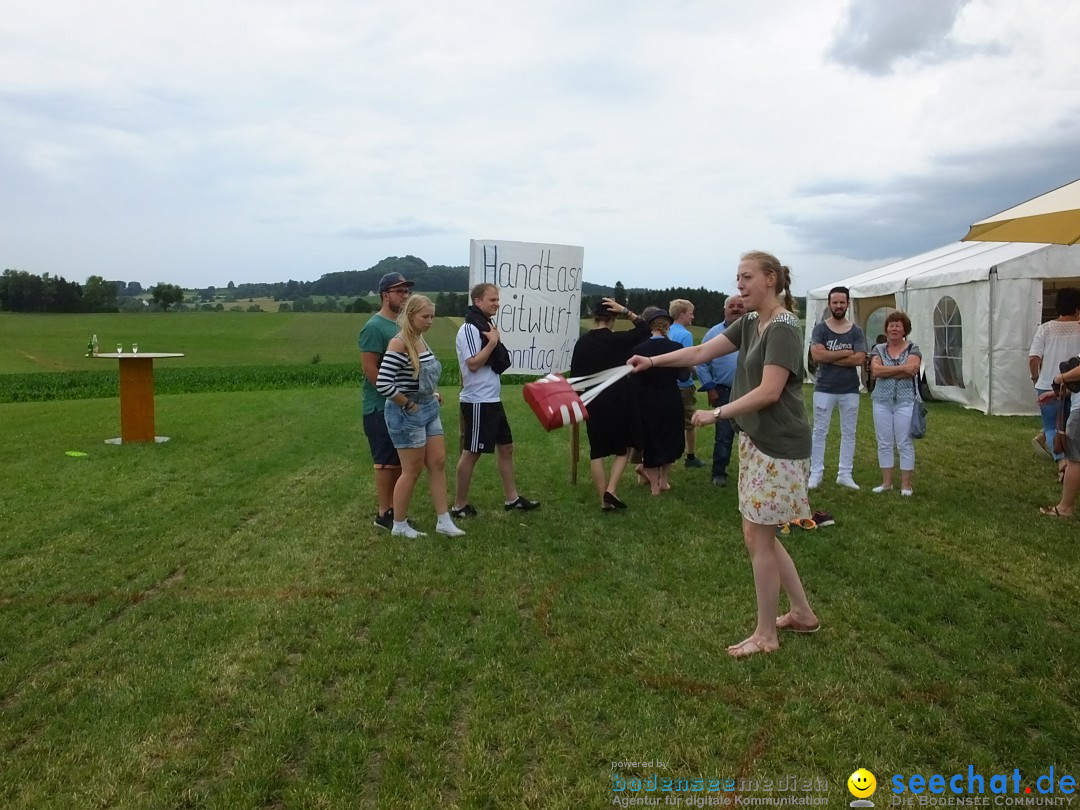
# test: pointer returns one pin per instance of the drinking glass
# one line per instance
(119, 348)
(134, 348)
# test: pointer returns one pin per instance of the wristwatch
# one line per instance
(716, 412)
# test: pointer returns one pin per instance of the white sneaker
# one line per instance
(406, 531)
(450, 530)
(907, 493)
(814, 482)
(846, 481)
(881, 488)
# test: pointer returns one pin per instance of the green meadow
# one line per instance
(214, 622)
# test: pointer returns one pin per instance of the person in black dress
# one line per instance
(613, 421)
(659, 404)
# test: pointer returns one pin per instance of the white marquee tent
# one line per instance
(974, 308)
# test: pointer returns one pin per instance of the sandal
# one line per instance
(788, 622)
(748, 647)
(1052, 511)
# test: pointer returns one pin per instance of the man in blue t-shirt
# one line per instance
(839, 348)
(682, 315)
(717, 376)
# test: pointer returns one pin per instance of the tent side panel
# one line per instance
(973, 303)
(1017, 308)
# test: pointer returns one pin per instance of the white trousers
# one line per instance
(849, 417)
(892, 426)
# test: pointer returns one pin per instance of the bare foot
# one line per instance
(752, 646)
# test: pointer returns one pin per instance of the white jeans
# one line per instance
(892, 425)
(849, 417)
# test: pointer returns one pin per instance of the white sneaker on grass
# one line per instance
(403, 529)
(449, 529)
(847, 481)
(881, 488)
(814, 482)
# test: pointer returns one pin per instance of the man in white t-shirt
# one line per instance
(484, 427)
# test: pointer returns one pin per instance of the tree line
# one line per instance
(24, 292)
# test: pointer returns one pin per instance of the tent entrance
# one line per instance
(1050, 286)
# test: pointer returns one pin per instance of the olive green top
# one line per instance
(779, 430)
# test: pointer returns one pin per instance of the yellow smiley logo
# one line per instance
(862, 783)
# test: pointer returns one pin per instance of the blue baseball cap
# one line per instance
(393, 280)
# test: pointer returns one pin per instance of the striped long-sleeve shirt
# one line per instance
(396, 373)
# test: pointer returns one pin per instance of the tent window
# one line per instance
(948, 344)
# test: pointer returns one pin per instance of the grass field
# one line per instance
(58, 342)
(30, 343)
(214, 622)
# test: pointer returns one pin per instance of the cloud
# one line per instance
(874, 35)
(394, 230)
(912, 212)
(262, 139)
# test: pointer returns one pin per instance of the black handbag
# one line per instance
(1061, 441)
(918, 414)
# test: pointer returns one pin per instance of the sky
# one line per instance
(205, 142)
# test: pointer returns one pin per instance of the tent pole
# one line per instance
(990, 346)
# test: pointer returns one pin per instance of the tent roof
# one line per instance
(956, 263)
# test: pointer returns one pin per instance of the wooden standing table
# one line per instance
(137, 396)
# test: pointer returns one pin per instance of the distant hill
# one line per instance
(434, 278)
(450, 282)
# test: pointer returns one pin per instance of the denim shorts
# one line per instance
(409, 431)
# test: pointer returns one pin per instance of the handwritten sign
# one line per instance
(540, 299)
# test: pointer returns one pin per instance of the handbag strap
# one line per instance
(613, 376)
(587, 381)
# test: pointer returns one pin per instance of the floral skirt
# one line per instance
(771, 490)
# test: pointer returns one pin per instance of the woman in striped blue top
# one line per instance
(408, 375)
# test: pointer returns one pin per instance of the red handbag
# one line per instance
(558, 402)
(555, 403)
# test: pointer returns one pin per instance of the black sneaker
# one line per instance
(823, 519)
(466, 511)
(693, 462)
(385, 520)
(719, 480)
(522, 503)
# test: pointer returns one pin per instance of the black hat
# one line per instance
(652, 313)
(393, 280)
(600, 310)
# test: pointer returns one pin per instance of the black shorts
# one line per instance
(484, 425)
(383, 452)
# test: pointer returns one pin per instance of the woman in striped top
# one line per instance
(407, 378)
